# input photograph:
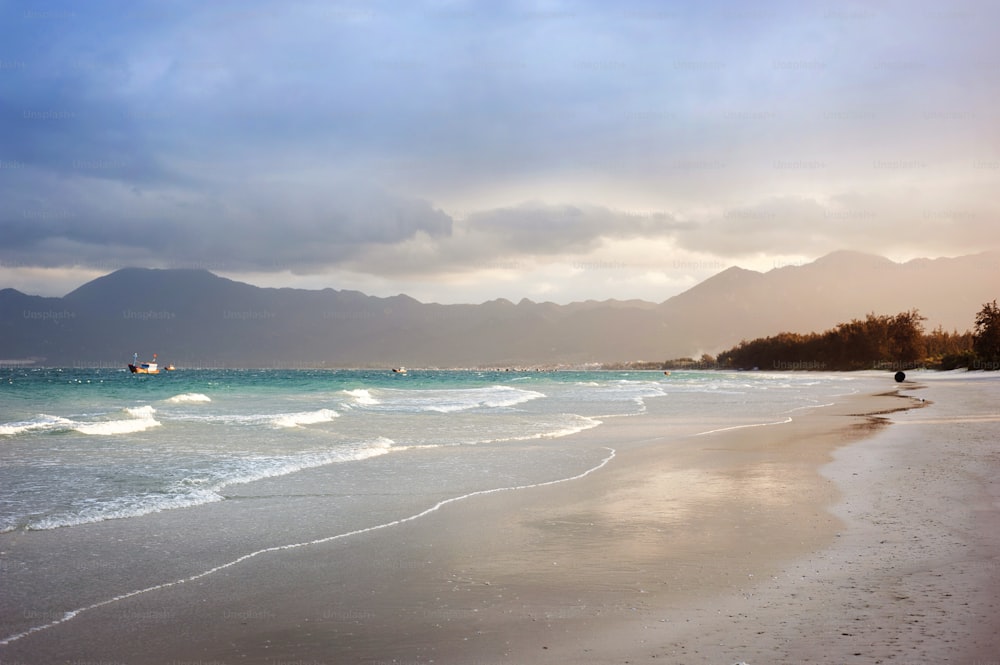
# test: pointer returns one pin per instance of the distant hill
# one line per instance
(196, 318)
(742, 304)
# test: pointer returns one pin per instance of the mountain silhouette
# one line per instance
(196, 318)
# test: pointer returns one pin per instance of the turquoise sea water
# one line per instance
(79, 446)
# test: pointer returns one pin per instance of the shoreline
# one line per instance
(697, 549)
(912, 572)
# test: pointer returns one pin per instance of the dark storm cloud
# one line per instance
(270, 227)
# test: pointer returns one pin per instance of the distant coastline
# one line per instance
(888, 343)
(877, 342)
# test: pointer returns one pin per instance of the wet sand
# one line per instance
(835, 537)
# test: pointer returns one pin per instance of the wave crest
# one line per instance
(39, 423)
(189, 492)
(189, 398)
(141, 420)
(304, 418)
(362, 397)
(452, 400)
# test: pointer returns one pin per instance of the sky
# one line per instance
(461, 152)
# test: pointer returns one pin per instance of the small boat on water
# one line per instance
(153, 367)
(399, 370)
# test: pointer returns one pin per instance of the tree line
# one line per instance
(876, 342)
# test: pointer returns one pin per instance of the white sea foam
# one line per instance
(190, 398)
(259, 468)
(500, 396)
(141, 412)
(582, 425)
(452, 400)
(42, 422)
(196, 491)
(9, 524)
(126, 506)
(303, 418)
(638, 389)
(362, 397)
(110, 427)
(618, 392)
(141, 418)
(273, 420)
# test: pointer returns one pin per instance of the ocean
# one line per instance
(81, 446)
(121, 492)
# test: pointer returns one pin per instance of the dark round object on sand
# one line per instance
(900, 377)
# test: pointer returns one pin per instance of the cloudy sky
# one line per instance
(460, 152)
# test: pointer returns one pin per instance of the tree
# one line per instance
(906, 338)
(986, 338)
(940, 343)
(879, 341)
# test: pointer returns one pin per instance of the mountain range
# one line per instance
(195, 318)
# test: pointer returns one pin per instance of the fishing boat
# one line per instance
(399, 370)
(137, 367)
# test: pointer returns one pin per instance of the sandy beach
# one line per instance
(912, 572)
(864, 531)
